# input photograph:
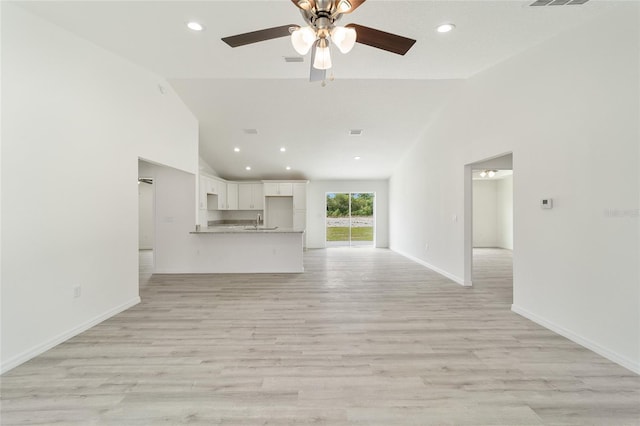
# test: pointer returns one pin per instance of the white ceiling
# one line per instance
(390, 97)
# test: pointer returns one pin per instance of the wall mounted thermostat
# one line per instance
(546, 203)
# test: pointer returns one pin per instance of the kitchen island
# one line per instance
(247, 249)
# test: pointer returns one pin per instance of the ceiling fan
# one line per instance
(322, 31)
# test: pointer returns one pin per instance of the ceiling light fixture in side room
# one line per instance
(283, 149)
(236, 149)
(248, 168)
(489, 173)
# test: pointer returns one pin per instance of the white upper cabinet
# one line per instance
(278, 189)
(232, 196)
(222, 195)
(258, 196)
(203, 193)
(250, 196)
(208, 185)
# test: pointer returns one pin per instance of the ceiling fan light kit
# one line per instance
(322, 31)
(302, 39)
(344, 38)
(322, 60)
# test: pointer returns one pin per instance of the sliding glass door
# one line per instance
(350, 219)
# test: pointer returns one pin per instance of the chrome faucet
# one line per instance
(258, 220)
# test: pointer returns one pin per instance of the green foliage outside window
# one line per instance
(338, 205)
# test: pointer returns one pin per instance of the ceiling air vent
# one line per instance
(557, 2)
(250, 131)
(355, 132)
(293, 59)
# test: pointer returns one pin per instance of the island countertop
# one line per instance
(245, 229)
(239, 248)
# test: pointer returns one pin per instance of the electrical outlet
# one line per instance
(77, 291)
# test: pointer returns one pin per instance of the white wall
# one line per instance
(493, 213)
(504, 212)
(564, 108)
(485, 218)
(75, 119)
(316, 205)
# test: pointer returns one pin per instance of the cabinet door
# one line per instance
(245, 197)
(300, 196)
(257, 196)
(232, 196)
(222, 195)
(271, 188)
(210, 185)
(285, 189)
(203, 193)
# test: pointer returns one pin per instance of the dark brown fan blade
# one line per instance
(311, 3)
(260, 35)
(354, 5)
(382, 40)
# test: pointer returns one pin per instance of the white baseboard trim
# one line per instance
(582, 341)
(452, 277)
(43, 347)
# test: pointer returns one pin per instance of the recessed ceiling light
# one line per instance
(248, 168)
(194, 26)
(445, 28)
(283, 149)
(356, 158)
(236, 149)
(288, 167)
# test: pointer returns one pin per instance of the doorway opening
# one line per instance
(350, 219)
(489, 241)
(146, 222)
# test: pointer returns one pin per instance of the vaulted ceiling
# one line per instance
(390, 97)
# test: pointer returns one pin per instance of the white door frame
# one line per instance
(495, 162)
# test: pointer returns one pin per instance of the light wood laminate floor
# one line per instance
(363, 337)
